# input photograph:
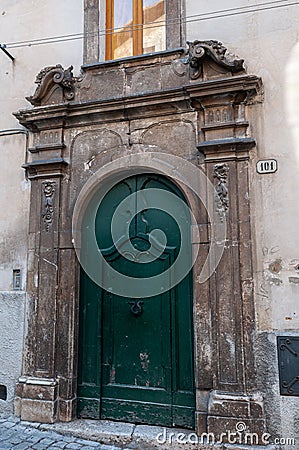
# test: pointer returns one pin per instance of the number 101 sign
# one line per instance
(266, 166)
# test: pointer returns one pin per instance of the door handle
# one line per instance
(136, 307)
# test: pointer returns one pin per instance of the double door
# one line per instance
(136, 354)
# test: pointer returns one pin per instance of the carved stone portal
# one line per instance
(122, 109)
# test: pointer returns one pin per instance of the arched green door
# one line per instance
(136, 355)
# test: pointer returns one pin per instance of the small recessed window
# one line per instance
(3, 392)
(17, 279)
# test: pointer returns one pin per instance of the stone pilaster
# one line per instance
(37, 390)
(224, 142)
(91, 31)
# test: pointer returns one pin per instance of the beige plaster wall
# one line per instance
(22, 20)
(269, 43)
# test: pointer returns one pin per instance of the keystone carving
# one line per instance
(216, 51)
(222, 202)
(50, 77)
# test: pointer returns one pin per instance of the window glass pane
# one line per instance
(122, 40)
(123, 12)
(154, 26)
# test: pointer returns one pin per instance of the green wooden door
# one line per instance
(136, 359)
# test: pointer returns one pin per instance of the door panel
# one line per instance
(137, 367)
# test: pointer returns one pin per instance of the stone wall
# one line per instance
(269, 41)
(23, 21)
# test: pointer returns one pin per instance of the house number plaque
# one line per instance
(266, 166)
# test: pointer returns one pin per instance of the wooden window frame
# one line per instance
(137, 28)
(175, 29)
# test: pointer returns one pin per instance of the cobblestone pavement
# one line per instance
(17, 435)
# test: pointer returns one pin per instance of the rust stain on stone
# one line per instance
(275, 266)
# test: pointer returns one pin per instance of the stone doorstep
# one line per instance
(138, 437)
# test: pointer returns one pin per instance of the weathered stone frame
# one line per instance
(215, 105)
(175, 29)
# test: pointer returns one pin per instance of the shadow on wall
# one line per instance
(292, 97)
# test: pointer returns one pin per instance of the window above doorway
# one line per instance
(134, 27)
(115, 29)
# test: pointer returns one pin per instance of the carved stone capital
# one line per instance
(45, 168)
(48, 78)
(198, 50)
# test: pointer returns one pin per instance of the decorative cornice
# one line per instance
(50, 77)
(224, 143)
(198, 50)
(146, 58)
(226, 149)
(250, 84)
(45, 168)
(44, 147)
(119, 108)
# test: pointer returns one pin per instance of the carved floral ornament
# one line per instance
(220, 173)
(48, 203)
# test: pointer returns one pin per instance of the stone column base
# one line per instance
(236, 418)
(37, 400)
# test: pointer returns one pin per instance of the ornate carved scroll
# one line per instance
(215, 50)
(48, 78)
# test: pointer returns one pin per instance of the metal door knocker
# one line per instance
(136, 307)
